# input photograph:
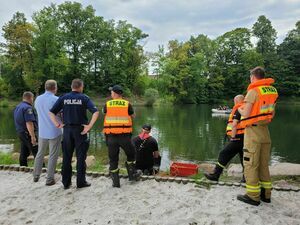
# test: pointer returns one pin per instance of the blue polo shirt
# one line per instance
(74, 106)
(24, 113)
(43, 104)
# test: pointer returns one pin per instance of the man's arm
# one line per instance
(245, 110)
(55, 121)
(234, 128)
(88, 127)
(30, 128)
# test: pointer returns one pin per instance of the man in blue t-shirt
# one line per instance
(74, 106)
(26, 127)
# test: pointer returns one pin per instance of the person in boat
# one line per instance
(235, 131)
(147, 155)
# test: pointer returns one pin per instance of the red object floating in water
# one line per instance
(183, 169)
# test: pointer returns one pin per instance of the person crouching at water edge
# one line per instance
(118, 131)
(235, 131)
(257, 112)
(147, 155)
(74, 106)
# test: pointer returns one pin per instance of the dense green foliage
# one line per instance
(205, 70)
(69, 41)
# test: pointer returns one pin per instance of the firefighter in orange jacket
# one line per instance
(118, 131)
(235, 132)
(257, 112)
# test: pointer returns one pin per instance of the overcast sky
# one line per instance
(165, 20)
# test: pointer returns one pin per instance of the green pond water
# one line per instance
(186, 133)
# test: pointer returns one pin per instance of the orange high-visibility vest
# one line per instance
(263, 109)
(240, 126)
(117, 120)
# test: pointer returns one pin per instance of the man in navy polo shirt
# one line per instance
(75, 123)
(26, 126)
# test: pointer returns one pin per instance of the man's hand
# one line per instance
(86, 129)
(33, 141)
(60, 125)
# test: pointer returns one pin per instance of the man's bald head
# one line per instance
(238, 99)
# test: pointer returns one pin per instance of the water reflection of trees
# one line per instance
(184, 132)
(187, 134)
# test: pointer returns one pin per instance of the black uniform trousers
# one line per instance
(26, 148)
(230, 150)
(116, 141)
(72, 138)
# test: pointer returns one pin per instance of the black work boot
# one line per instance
(263, 196)
(248, 200)
(215, 175)
(243, 180)
(133, 174)
(115, 178)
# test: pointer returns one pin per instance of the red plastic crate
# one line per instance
(183, 169)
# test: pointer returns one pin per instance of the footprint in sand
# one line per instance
(14, 211)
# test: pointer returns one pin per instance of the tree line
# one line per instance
(69, 41)
(206, 70)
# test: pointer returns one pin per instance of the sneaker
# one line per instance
(36, 179)
(50, 183)
(248, 200)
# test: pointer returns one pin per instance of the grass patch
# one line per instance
(6, 159)
(97, 167)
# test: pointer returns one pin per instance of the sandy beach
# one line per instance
(144, 202)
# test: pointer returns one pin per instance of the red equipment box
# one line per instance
(183, 169)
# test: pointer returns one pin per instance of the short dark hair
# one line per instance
(28, 95)
(50, 85)
(258, 72)
(77, 83)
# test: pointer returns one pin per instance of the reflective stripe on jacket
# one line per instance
(117, 120)
(240, 127)
(263, 109)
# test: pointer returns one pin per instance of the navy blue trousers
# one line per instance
(72, 139)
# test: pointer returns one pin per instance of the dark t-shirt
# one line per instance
(24, 113)
(144, 151)
(237, 116)
(74, 106)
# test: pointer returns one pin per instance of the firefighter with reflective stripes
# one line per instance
(235, 131)
(257, 112)
(118, 131)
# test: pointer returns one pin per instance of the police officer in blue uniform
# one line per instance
(26, 126)
(74, 106)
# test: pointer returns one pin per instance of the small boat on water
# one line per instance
(221, 111)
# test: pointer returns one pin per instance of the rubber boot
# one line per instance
(243, 180)
(215, 175)
(133, 174)
(115, 178)
(263, 196)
